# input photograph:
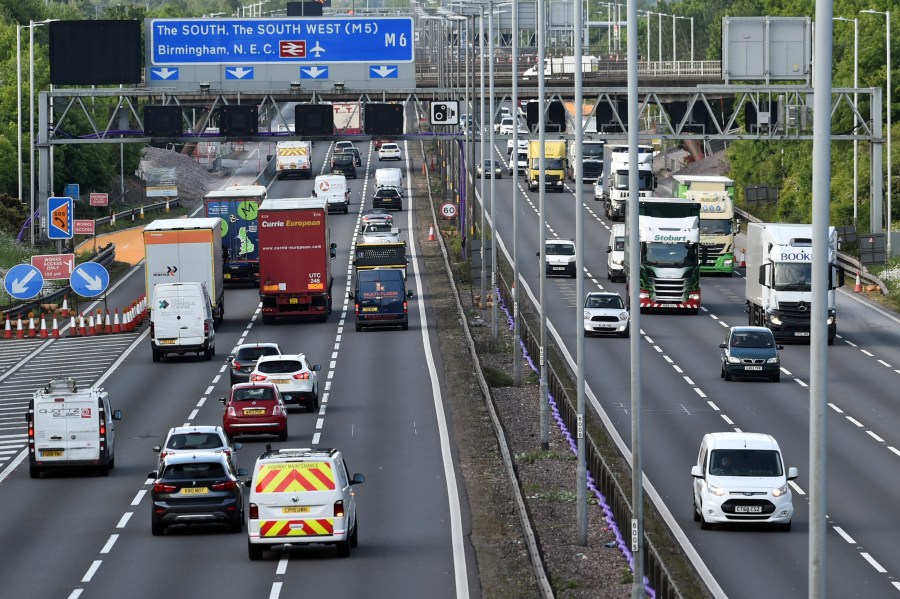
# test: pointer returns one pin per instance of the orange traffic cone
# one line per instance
(116, 327)
(54, 332)
(32, 332)
(127, 322)
(107, 324)
(858, 287)
(65, 307)
(73, 328)
(431, 236)
(82, 329)
(91, 329)
(20, 332)
(43, 327)
(743, 263)
(7, 332)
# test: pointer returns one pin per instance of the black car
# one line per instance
(344, 163)
(750, 352)
(352, 150)
(196, 488)
(243, 361)
(388, 198)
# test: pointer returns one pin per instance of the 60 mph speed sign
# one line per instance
(448, 210)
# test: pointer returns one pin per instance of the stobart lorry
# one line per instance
(779, 279)
(716, 197)
(295, 253)
(554, 165)
(237, 207)
(669, 233)
(614, 180)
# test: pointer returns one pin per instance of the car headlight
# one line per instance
(714, 490)
(830, 320)
(780, 491)
(587, 315)
(774, 320)
(772, 360)
(733, 360)
(623, 315)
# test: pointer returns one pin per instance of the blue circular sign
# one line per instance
(89, 279)
(23, 281)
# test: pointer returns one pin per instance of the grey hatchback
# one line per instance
(750, 352)
(243, 361)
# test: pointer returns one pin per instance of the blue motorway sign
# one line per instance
(281, 40)
(89, 279)
(23, 281)
(60, 212)
(164, 74)
(314, 72)
(73, 190)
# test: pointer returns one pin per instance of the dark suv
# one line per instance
(344, 163)
(750, 352)
(388, 198)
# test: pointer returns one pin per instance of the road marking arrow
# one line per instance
(383, 70)
(239, 72)
(314, 72)
(93, 283)
(165, 72)
(21, 285)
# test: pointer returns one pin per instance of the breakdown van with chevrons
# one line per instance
(301, 496)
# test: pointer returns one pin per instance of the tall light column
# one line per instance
(887, 15)
(542, 228)
(495, 305)
(855, 117)
(517, 329)
(480, 124)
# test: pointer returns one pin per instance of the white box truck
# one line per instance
(70, 427)
(293, 158)
(186, 250)
(779, 279)
(614, 188)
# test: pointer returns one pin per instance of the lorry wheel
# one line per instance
(34, 472)
(254, 551)
(157, 355)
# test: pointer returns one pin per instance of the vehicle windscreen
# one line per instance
(252, 354)
(715, 227)
(796, 276)
(254, 394)
(645, 181)
(560, 249)
(670, 255)
(745, 462)
(752, 339)
(280, 366)
(612, 302)
(619, 244)
(194, 441)
(194, 470)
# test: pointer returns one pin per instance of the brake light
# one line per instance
(228, 485)
(257, 377)
(235, 364)
(339, 508)
(206, 327)
(356, 308)
(405, 307)
(253, 514)
(276, 411)
(302, 376)
(230, 411)
(163, 488)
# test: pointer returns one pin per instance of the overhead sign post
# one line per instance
(60, 211)
(89, 279)
(23, 281)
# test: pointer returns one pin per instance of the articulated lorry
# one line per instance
(560, 66)
(779, 279)
(591, 160)
(186, 250)
(669, 233)
(554, 165)
(295, 253)
(716, 197)
(614, 180)
(237, 207)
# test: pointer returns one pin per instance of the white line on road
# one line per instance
(282, 565)
(796, 488)
(874, 436)
(109, 544)
(92, 570)
(123, 521)
(855, 421)
(844, 535)
(878, 567)
(137, 498)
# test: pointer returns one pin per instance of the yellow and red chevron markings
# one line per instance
(297, 528)
(290, 478)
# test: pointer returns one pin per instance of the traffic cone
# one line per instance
(127, 325)
(73, 328)
(743, 263)
(54, 332)
(142, 211)
(112, 218)
(82, 329)
(167, 204)
(143, 310)
(432, 165)
(858, 287)
(107, 324)
(20, 332)
(43, 333)
(65, 307)
(7, 332)
(116, 327)
(91, 329)
(431, 236)
(32, 332)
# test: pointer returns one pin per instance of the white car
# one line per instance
(523, 145)
(380, 233)
(740, 478)
(294, 376)
(605, 312)
(340, 145)
(389, 151)
(598, 189)
(505, 126)
(191, 439)
(615, 253)
(559, 257)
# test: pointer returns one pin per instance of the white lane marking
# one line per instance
(109, 544)
(878, 567)
(216, 378)
(874, 436)
(883, 363)
(835, 408)
(123, 521)
(222, 369)
(894, 449)
(315, 439)
(796, 488)
(319, 423)
(209, 390)
(801, 383)
(193, 414)
(282, 566)
(850, 343)
(844, 535)
(92, 570)
(855, 421)
(688, 379)
(668, 359)
(201, 402)
(700, 392)
(275, 593)
(713, 406)
(867, 352)
(677, 368)
(727, 419)
(137, 498)
(75, 594)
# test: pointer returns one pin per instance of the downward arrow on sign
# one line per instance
(383, 71)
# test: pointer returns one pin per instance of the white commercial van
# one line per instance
(181, 321)
(333, 189)
(615, 253)
(68, 427)
(389, 177)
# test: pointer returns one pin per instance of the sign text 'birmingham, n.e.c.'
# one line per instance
(281, 41)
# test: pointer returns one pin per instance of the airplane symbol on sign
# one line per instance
(292, 49)
(317, 49)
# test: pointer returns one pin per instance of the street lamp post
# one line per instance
(855, 117)
(887, 16)
(31, 26)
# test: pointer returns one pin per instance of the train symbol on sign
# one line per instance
(445, 113)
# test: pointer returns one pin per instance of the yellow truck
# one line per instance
(554, 165)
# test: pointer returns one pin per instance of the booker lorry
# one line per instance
(186, 250)
(295, 253)
(779, 279)
(237, 207)
(716, 197)
(669, 234)
(554, 165)
(613, 183)
(292, 159)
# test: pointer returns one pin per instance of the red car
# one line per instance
(255, 409)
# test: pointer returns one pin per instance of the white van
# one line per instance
(69, 428)
(301, 496)
(181, 321)
(333, 189)
(615, 253)
(389, 177)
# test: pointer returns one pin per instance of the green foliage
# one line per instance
(12, 215)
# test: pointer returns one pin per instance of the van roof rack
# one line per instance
(60, 384)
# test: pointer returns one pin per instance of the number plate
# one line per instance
(227, 276)
(254, 411)
(293, 300)
(370, 309)
(281, 381)
(752, 367)
(801, 334)
(194, 491)
(52, 454)
(748, 509)
(295, 510)
(559, 268)
(168, 341)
